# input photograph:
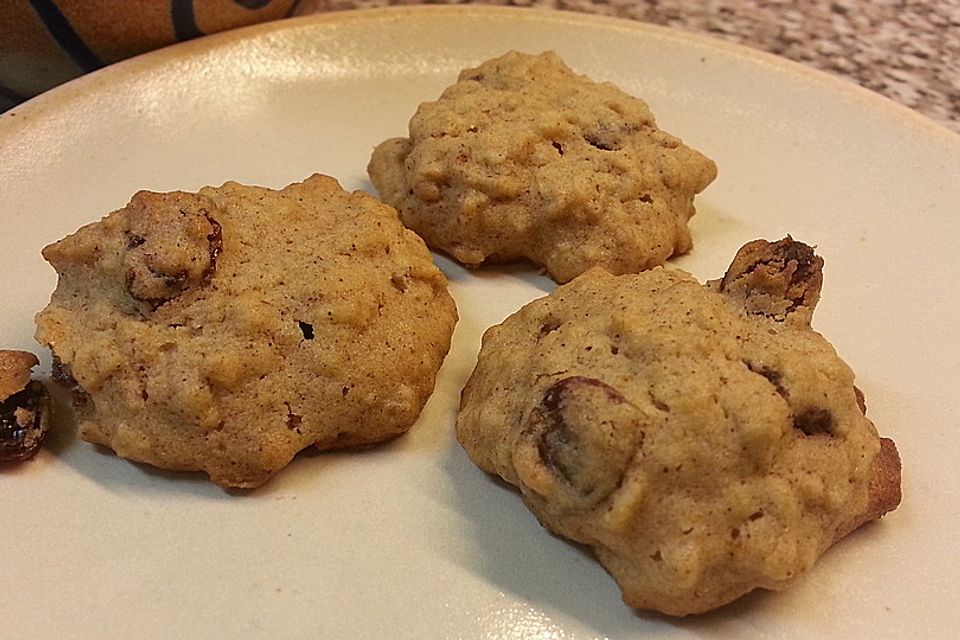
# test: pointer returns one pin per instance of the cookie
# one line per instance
(523, 158)
(226, 330)
(705, 441)
(24, 407)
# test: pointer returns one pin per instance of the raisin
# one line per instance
(172, 245)
(23, 422)
(549, 325)
(603, 137)
(306, 329)
(773, 376)
(814, 422)
(775, 279)
(585, 433)
(608, 137)
(62, 375)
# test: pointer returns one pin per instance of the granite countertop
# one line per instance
(907, 51)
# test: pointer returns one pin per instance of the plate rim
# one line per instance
(52, 99)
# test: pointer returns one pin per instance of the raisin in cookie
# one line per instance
(522, 158)
(24, 407)
(228, 329)
(703, 440)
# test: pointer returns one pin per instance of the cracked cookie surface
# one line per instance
(523, 158)
(704, 440)
(226, 330)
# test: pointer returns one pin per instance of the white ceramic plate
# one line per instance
(409, 540)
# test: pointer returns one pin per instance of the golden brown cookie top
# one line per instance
(523, 158)
(227, 330)
(704, 440)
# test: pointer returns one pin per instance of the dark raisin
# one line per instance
(399, 283)
(23, 422)
(608, 137)
(585, 432)
(306, 329)
(814, 421)
(772, 375)
(601, 140)
(293, 420)
(62, 375)
(172, 245)
(775, 279)
(549, 326)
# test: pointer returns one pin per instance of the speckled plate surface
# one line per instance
(409, 540)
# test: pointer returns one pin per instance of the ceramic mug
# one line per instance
(46, 42)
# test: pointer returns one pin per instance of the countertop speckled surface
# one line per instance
(906, 50)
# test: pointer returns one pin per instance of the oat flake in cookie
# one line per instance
(228, 329)
(523, 158)
(703, 440)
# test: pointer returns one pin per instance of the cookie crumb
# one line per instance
(24, 407)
